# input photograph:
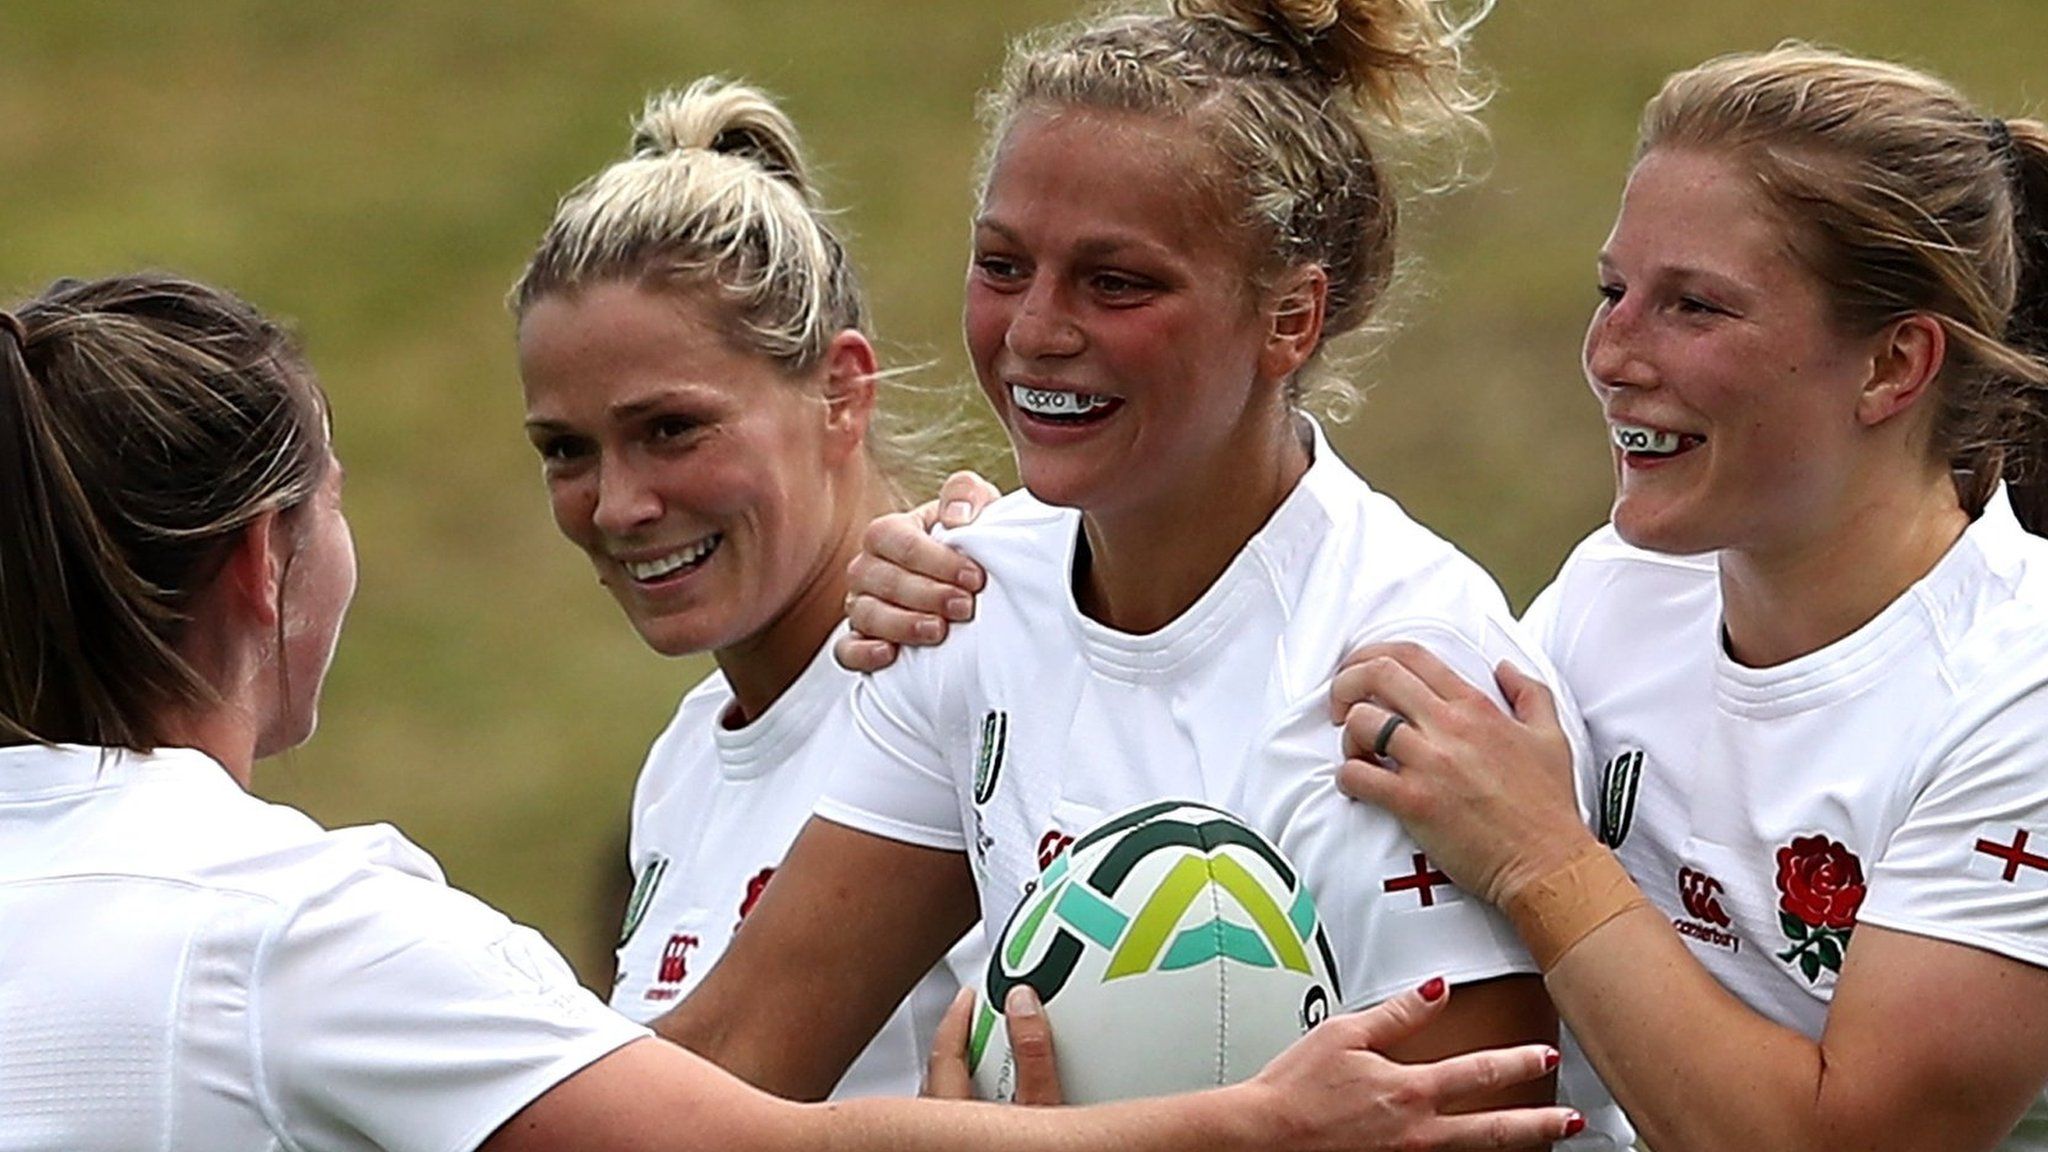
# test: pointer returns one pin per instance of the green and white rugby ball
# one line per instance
(1174, 949)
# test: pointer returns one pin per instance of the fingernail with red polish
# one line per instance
(1574, 1124)
(1550, 1060)
(1434, 990)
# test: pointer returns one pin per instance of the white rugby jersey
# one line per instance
(1033, 722)
(1896, 777)
(186, 967)
(715, 810)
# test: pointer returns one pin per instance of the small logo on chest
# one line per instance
(1620, 781)
(643, 895)
(988, 762)
(673, 968)
(1705, 919)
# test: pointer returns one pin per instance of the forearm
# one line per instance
(1695, 1068)
(1216, 1120)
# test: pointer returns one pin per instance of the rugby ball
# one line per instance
(1174, 949)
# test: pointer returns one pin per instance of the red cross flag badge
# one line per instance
(1430, 886)
(2010, 854)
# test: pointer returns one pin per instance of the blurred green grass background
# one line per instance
(377, 172)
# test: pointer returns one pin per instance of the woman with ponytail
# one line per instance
(1179, 213)
(702, 394)
(1811, 649)
(184, 967)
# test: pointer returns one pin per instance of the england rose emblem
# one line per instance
(1820, 887)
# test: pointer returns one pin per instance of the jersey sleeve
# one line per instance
(1968, 862)
(894, 780)
(394, 1013)
(1392, 919)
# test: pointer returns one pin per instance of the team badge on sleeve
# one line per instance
(1820, 888)
(2002, 851)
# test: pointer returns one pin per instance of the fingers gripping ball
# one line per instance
(1174, 949)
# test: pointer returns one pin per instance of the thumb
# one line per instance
(1038, 1075)
(962, 497)
(945, 1075)
(1398, 1017)
(1529, 697)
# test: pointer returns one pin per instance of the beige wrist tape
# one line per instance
(1556, 912)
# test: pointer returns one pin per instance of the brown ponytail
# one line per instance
(144, 420)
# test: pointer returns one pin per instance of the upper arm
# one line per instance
(1953, 938)
(844, 930)
(1931, 1044)
(395, 1010)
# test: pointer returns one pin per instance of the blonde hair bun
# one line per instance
(731, 119)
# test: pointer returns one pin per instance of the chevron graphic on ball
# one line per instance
(1174, 948)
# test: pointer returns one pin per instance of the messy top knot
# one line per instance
(1293, 93)
(1401, 59)
(727, 119)
(714, 197)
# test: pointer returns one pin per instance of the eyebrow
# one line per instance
(1683, 272)
(624, 410)
(1092, 247)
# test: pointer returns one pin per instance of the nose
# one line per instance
(1613, 351)
(1044, 325)
(625, 502)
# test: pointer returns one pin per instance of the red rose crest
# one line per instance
(755, 887)
(1820, 887)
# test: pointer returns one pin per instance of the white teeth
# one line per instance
(1048, 402)
(1648, 441)
(673, 562)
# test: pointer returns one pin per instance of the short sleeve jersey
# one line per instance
(1897, 777)
(186, 967)
(714, 811)
(1034, 722)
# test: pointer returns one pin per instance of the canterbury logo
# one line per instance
(1701, 895)
(1075, 909)
(1619, 783)
(988, 764)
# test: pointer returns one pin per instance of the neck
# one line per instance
(1144, 566)
(761, 667)
(1782, 604)
(224, 733)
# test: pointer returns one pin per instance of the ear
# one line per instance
(1295, 321)
(251, 581)
(1910, 354)
(850, 369)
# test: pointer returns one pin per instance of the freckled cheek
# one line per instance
(573, 504)
(985, 323)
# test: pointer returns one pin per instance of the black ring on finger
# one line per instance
(1379, 743)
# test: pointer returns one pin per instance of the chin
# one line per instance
(1665, 534)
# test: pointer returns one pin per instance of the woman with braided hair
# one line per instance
(1179, 213)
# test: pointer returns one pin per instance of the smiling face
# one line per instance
(703, 483)
(1112, 319)
(1730, 391)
